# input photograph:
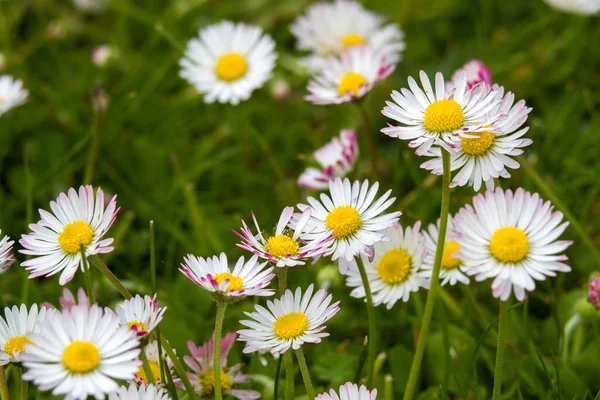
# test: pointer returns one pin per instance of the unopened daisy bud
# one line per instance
(349, 391)
(594, 292)
(476, 73)
(102, 54)
(280, 89)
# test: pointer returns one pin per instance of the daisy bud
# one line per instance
(102, 55)
(476, 71)
(594, 293)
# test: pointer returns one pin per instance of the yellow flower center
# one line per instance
(74, 235)
(509, 244)
(395, 266)
(207, 381)
(344, 221)
(138, 325)
(443, 116)
(281, 246)
(448, 260)
(478, 146)
(16, 343)
(353, 39)
(231, 67)
(81, 357)
(154, 367)
(235, 282)
(290, 326)
(351, 82)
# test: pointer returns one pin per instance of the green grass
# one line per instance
(197, 169)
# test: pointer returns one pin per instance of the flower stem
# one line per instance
(98, 263)
(435, 281)
(287, 357)
(502, 322)
(372, 323)
(4, 395)
(574, 322)
(24, 386)
(371, 140)
(282, 280)
(147, 369)
(277, 372)
(87, 275)
(221, 306)
(305, 375)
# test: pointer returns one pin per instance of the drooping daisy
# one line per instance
(144, 392)
(395, 270)
(336, 158)
(203, 377)
(452, 268)
(6, 257)
(213, 274)
(583, 7)
(16, 330)
(511, 238)
(82, 352)
(349, 77)
(141, 314)
(487, 154)
(12, 93)
(430, 118)
(288, 322)
(476, 73)
(153, 357)
(228, 60)
(349, 391)
(353, 215)
(286, 248)
(329, 28)
(56, 239)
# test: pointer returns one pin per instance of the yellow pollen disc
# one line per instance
(443, 116)
(351, 82)
(353, 39)
(344, 221)
(509, 244)
(16, 343)
(235, 282)
(290, 326)
(74, 235)
(81, 357)
(154, 367)
(231, 67)
(448, 260)
(281, 246)
(207, 381)
(139, 325)
(395, 266)
(478, 146)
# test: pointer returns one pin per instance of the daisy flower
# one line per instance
(288, 322)
(203, 377)
(286, 248)
(511, 238)
(486, 154)
(82, 352)
(153, 357)
(56, 239)
(16, 330)
(349, 391)
(336, 158)
(227, 61)
(353, 216)
(12, 93)
(395, 270)
(144, 392)
(213, 274)
(141, 314)
(440, 118)
(329, 28)
(6, 257)
(476, 72)
(452, 268)
(583, 7)
(349, 77)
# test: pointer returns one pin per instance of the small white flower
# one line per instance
(6, 256)
(329, 28)
(511, 238)
(144, 392)
(349, 391)
(227, 61)
(56, 239)
(349, 77)
(336, 158)
(16, 329)
(141, 315)
(583, 7)
(12, 93)
(102, 54)
(214, 275)
(452, 268)
(288, 322)
(395, 271)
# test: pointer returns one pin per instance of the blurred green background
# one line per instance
(197, 169)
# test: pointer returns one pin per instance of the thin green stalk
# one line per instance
(572, 324)
(277, 373)
(147, 369)
(435, 281)
(388, 389)
(87, 275)
(498, 370)
(4, 395)
(24, 387)
(310, 391)
(282, 280)
(98, 263)
(287, 357)
(370, 138)
(221, 306)
(170, 385)
(372, 323)
(152, 258)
